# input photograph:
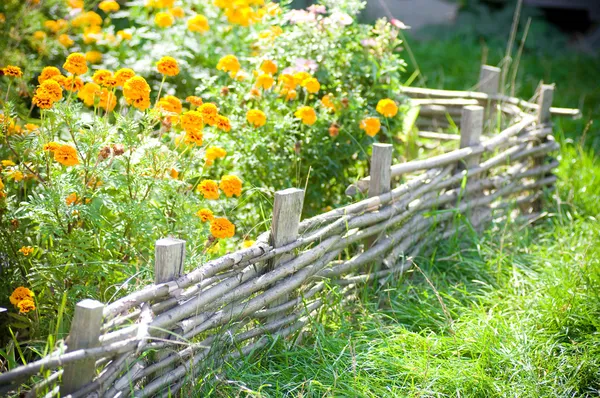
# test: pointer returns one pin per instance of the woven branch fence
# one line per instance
(152, 341)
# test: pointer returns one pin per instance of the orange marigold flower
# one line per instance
(160, 3)
(49, 72)
(269, 67)
(334, 130)
(16, 175)
(229, 63)
(71, 198)
(210, 113)
(122, 75)
(209, 189)
(222, 228)
(223, 123)
(299, 77)
(291, 95)
(12, 71)
(163, 19)
(51, 146)
(306, 114)
(192, 99)
(212, 153)
(177, 12)
(194, 137)
(42, 102)
(93, 57)
(7, 163)
(205, 215)
(51, 89)
(39, 35)
(387, 107)
(168, 66)
(231, 185)
(192, 121)
(287, 81)
(108, 101)
(109, 6)
(256, 117)
(25, 306)
(136, 89)
(175, 103)
(311, 85)
(65, 40)
(327, 103)
(31, 127)
(265, 81)
(75, 3)
(72, 83)
(26, 251)
(21, 293)
(198, 23)
(89, 93)
(66, 155)
(371, 126)
(104, 78)
(76, 64)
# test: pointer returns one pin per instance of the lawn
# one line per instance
(512, 312)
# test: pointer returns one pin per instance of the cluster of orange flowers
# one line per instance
(63, 153)
(22, 299)
(247, 12)
(230, 185)
(220, 227)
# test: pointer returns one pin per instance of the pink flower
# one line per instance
(317, 9)
(399, 24)
(299, 16)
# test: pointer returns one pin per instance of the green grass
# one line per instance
(521, 305)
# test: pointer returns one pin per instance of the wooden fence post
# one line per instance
(489, 83)
(545, 102)
(380, 179)
(84, 333)
(287, 209)
(470, 135)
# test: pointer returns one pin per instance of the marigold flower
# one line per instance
(163, 19)
(66, 155)
(327, 103)
(334, 130)
(136, 90)
(223, 123)
(43, 101)
(265, 81)
(31, 127)
(311, 85)
(65, 40)
(124, 35)
(229, 63)
(174, 174)
(222, 228)
(291, 95)
(212, 153)
(12, 71)
(209, 189)
(194, 137)
(196, 101)
(198, 23)
(306, 114)
(231, 185)
(168, 66)
(299, 77)
(287, 81)
(51, 146)
(50, 89)
(7, 163)
(160, 3)
(72, 83)
(76, 64)
(209, 112)
(16, 175)
(205, 215)
(71, 198)
(49, 72)
(370, 125)
(104, 78)
(26, 251)
(21, 293)
(256, 117)
(89, 93)
(174, 102)
(2, 18)
(269, 67)
(39, 35)
(25, 306)
(122, 75)
(192, 121)
(177, 12)
(93, 57)
(75, 3)
(109, 6)
(387, 107)
(247, 243)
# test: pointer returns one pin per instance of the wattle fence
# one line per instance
(152, 341)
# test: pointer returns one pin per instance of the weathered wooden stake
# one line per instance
(85, 331)
(169, 259)
(287, 209)
(489, 83)
(545, 102)
(470, 135)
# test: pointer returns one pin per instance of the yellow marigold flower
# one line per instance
(175, 103)
(1, 185)
(205, 215)
(269, 67)
(248, 243)
(71, 198)
(42, 102)
(163, 19)
(12, 71)
(229, 63)
(192, 121)
(256, 117)
(39, 35)
(16, 175)
(160, 3)
(65, 40)
(370, 125)
(8, 163)
(66, 155)
(49, 72)
(104, 78)
(387, 107)
(222, 228)
(327, 103)
(168, 66)
(299, 77)
(25, 306)
(2, 18)
(108, 101)
(194, 137)
(265, 81)
(76, 64)
(287, 81)
(72, 83)
(26, 251)
(209, 189)
(291, 95)
(177, 12)
(51, 146)
(223, 123)
(122, 75)
(136, 89)
(31, 127)
(231, 185)
(52, 26)
(311, 85)
(93, 57)
(50, 88)
(109, 6)
(198, 23)
(212, 153)
(209, 113)
(124, 35)
(22, 293)
(89, 93)
(306, 114)
(192, 99)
